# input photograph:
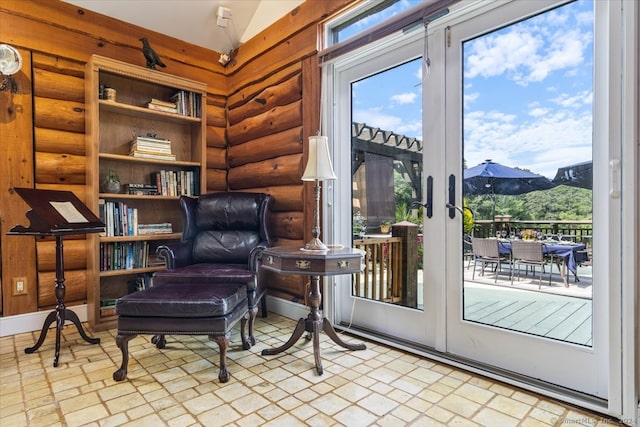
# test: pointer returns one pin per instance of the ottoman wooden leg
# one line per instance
(223, 344)
(122, 341)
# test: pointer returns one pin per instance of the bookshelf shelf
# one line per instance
(116, 273)
(162, 236)
(115, 131)
(143, 112)
(127, 158)
(137, 197)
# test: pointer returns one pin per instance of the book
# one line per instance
(159, 228)
(151, 147)
(149, 138)
(152, 155)
(162, 108)
(102, 215)
(160, 102)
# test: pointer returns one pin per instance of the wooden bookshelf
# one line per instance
(111, 125)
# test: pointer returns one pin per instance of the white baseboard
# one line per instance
(287, 309)
(28, 322)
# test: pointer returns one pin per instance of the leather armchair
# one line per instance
(222, 242)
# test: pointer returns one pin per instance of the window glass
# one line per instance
(362, 19)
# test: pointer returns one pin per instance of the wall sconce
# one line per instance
(10, 63)
(319, 168)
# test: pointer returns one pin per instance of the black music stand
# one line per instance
(57, 213)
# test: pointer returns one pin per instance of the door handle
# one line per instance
(428, 205)
(452, 196)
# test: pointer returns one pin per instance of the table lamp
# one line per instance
(318, 169)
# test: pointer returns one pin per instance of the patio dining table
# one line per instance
(568, 252)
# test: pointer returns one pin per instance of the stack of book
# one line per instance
(148, 147)
(176, 183)
(159, 228)
(141, 189)
(107, 307)
(119, 219)
(187, 103)
(160, 105)
(123, 255)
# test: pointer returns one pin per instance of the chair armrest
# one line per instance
(175, 255)
(255, 256)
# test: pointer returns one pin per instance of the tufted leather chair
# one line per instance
(222, 241)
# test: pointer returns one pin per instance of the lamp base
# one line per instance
(315, 244)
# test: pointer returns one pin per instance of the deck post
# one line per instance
(408, 232)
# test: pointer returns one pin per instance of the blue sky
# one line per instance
(527, 93)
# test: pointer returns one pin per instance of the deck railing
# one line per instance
(391, 265)
(380, 279)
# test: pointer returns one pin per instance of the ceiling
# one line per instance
(195, 21)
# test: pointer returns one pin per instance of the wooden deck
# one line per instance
(548, 310)
(555, 312)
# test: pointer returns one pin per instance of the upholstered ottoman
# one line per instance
(182, 309)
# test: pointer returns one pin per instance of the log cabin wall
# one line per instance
(273, 107)
(270, 91)
(44, 146)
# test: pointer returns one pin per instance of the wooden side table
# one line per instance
(295, 260)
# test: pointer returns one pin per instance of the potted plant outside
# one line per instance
(385, 227)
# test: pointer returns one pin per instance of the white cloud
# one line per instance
(565, 51)
(542, 145)
(404, 98)
(411, 129)
(523, 56)
(498, 54)
(376, 118)
(537, 112)
(574, 101)
(469, 98)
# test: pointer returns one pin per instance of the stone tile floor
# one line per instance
(178, 386)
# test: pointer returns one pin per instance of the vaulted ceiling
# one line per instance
(196, 21)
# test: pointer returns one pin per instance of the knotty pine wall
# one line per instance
(260, 110)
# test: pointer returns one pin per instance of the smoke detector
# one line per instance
(224, 15)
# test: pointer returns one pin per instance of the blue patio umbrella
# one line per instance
(493, 178)
(576, 175)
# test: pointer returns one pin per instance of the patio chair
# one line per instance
(467, 250)
(530, 254)
(486, 251)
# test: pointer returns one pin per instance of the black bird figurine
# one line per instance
(152, 57)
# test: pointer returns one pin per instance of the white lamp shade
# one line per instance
(319, 165)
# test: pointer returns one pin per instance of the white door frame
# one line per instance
(393, 51)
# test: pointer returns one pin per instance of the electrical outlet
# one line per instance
(19, 285)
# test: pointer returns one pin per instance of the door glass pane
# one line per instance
(386, 166)
(527, 159)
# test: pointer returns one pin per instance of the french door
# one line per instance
(550, 331)
(371, 162)
(444, 321)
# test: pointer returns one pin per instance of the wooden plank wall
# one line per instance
(272, 86)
